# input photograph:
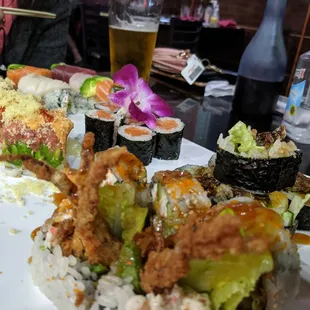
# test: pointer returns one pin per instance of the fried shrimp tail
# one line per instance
(44, 172)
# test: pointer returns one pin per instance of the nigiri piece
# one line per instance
(40, 85)
(77, 80)
(103, 89)
(64, 72)
(16, 72)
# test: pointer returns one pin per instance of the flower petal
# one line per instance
(143, 90)
(150, 121)
(119, 97)
(158, 105)
(127, 77)
(146, 117)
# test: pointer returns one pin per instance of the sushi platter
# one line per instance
(104, 205)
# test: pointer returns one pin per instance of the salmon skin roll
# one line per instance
(138, 140)
(101, 123)
(16, 72)
(169, 134)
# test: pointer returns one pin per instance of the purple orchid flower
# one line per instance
(137, 98)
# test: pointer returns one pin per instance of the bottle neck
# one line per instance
(275, 11)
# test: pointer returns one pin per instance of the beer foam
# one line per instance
(138, 26)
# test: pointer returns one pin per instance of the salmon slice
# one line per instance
(103, 89)
(136, 131)
(167, 124)
(17, 74)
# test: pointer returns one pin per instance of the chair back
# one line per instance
(184, 34)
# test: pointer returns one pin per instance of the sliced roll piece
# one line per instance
(138, 140)
(101, 123)
(169, 134)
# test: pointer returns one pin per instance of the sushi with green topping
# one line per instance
(260, 163)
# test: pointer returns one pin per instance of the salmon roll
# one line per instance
(138, 140)
(16, 72)
(110, 106)
(101, 123)
(169, 134)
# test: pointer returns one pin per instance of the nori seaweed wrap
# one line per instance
(101, 123)
(303, 218)
(259, 162)
(169, 134)
(261, 175)
(138, 140)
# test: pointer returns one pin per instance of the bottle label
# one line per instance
(295, 97)
(300, 73)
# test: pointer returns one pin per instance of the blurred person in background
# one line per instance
(34, 41)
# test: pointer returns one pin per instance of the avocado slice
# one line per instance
(88, 88)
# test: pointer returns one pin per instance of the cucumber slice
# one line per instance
(297, 204)
(288, 218)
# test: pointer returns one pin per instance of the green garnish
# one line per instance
(98, 269)
(242, 137)
(15, 66)
(42, 248)
(54, 159)
(53, 66)
(130, 264)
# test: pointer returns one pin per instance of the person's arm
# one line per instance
(51, 37)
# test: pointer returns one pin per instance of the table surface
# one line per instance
(206, 117)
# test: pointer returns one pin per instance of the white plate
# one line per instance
(17, 291)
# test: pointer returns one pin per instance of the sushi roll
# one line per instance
(174, 195)
(169, 134)
(110, 106)
(69, 100)
(261, 163)
(138, 140)
(128, 120)
(233, 255)
(101, 123)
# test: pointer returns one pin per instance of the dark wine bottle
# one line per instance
(262, 66)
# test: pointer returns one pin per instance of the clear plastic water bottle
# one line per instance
(297, 114)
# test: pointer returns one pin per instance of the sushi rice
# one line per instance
(70, 285)
(65, 280)
(69, 100)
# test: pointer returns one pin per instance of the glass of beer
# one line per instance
(133, 33)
